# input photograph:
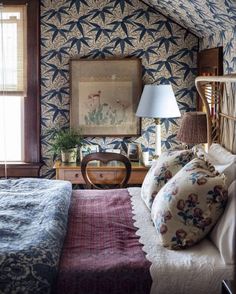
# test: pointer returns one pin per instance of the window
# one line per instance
(13, 51)
(19, 87)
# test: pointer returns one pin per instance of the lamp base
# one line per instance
(158, 137)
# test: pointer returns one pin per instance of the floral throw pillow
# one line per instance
(188, 206)
(162, 170)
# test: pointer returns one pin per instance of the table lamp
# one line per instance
(158, 101)
(193, 128)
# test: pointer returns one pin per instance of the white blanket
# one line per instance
(199, 269)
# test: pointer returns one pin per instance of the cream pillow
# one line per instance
(189, 205)
(223, 234)
(223, 161)
(163, 169)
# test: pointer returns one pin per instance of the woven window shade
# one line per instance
(193, 128)
(13, 65)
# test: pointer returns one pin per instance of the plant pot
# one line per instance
(69, 155)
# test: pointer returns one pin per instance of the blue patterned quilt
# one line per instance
(33, 223)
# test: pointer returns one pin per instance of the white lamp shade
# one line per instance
(158, 101)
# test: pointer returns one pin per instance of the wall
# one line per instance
(213, 21)
(90, 29)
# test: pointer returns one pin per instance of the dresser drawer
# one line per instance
(103, 177)
(98, 177)
(137, 177)
(74, 176)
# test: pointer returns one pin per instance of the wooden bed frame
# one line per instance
(216, 92)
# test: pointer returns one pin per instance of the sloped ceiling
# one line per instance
(202, 17)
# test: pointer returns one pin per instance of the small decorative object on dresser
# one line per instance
(113, 150)
(133, 151)
(145, 157)
(87, 149)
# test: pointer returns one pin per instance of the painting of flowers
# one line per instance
(105, 98)
(104, 104)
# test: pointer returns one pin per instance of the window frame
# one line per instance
(32, 151)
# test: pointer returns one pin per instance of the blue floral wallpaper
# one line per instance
(213, 21)
(111, 28)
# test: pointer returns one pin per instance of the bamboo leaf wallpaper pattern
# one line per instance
(201, 16)
(111, 28)
(214, 21)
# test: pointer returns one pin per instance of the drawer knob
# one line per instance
(76, 175)
(101, 175)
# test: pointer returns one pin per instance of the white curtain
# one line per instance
(13, 50)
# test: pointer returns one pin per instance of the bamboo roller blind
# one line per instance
(13, 65)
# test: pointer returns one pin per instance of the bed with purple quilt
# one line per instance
(111, 247)
(109, 244)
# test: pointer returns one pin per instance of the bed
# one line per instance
(110, 246)
(89, 265)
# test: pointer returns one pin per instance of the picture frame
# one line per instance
(113, 150)
(87, 149)
(104, 96)
(133, 152)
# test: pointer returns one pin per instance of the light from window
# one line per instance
(11, 131)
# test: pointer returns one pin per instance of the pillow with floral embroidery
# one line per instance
(163, 169)
(188, 206)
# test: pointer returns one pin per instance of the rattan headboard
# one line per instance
(218, 95)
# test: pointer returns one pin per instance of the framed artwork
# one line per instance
(87, 149)
(105, 95)
(134, 151)
(113, 150)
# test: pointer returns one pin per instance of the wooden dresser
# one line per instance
(108, 174)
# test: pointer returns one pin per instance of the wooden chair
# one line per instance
(105, 158)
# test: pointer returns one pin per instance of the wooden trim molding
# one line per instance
(32, 154)
(32, 102)
(20, 169)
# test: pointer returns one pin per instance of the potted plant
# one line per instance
(66, 143)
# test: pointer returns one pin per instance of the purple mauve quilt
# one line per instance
(101, 252)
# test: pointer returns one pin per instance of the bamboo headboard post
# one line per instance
(206, 105)
(201, 83)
